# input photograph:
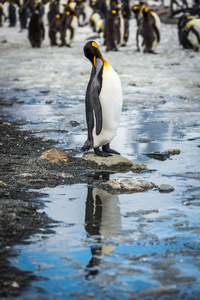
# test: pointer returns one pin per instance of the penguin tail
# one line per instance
(87, 146)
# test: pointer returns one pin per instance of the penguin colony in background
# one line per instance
(109, 18)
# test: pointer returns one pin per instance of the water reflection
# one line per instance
(102, 220)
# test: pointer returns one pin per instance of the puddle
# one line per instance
(115, 245)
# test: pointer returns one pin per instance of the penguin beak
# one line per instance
(94, 61)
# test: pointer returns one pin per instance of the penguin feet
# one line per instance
(101, 153)
(106, 148)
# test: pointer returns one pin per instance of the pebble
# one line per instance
(138, 167)
(49, 101)
(2, 184)
(6, 103)
(187, 202)
(173, 151)
(166, 188)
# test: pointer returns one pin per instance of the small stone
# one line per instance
(49, 101)
(45, 91)
(166, 188)
(173, 151)
(6, 124)
(187, 202)
(74, 123)
(6, 103)
(54, 155)
(145, 140)
(138, 167)
(111, 161)
(158, 155)
(19, 101)
(2, 184)
(131, 184)
(15, 284)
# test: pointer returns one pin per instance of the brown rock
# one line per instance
(54, 155)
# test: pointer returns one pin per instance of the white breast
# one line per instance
(111, 102)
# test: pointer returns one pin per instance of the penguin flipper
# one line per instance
(95, 91)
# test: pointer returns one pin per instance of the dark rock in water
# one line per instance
(45, 92)
(74, 123)
(49, 101)
(6, 103)
(158, 155)
(166, 188)
(145, 140)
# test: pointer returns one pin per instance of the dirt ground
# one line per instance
(22, 168)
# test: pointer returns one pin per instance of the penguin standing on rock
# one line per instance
(103, 102)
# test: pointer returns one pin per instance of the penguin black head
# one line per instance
(91, 51)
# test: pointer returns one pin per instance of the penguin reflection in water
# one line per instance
(103, 102)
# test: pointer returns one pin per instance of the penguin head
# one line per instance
(91, 51)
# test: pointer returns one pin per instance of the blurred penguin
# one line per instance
(69, 24)
(12, 14)
(55, 28)
(182, 33)
(99, 15)
(126, 14)
(2, 15)
(114, 28)
(23, 16)
(36, 28)
(192, 29)
(84, 12)
(148, 33)
(53, 10)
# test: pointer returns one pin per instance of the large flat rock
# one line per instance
(109, 162)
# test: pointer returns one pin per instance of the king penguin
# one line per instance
(103, 102)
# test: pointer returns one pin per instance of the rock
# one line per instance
(6, 124)
(54, 155)
(49, 101)
(2, 184)
(173, 151)
(158, 155)
(130, 184)
(166, 188)
(74, 123)
(6, 103)
(138, 167)
(45, 91)
(145, 140)
(187, 202)
(19, 101)
(110, 161)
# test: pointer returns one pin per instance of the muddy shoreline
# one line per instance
(22, 168)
